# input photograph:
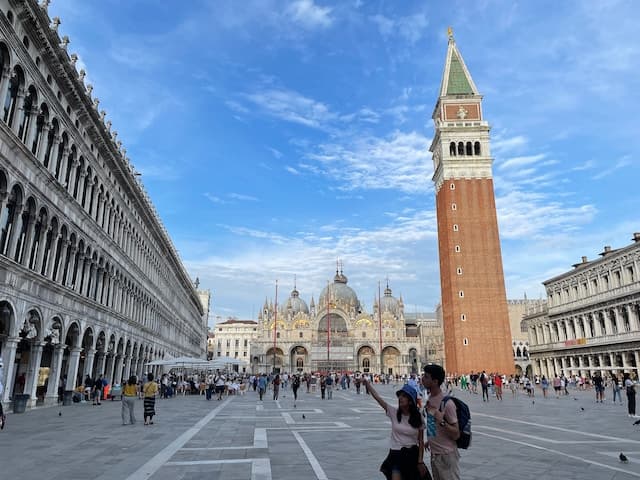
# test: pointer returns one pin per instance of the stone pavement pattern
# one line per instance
(343, 438)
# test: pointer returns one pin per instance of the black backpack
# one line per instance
(464, 420)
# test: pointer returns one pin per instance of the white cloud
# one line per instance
(400, 161)
(518, 162)
(292, 107)
(309, 15)
(241, 197)
(214, 198)
(411, 28)
(276, 153)
(291, 170)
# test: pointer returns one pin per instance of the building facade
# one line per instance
(233, 338)
(90, 281)
(474, 304)
(591, 321)
(337, 333)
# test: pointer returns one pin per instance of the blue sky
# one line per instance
(275, 137)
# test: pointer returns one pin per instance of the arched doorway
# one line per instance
(276, 361)
(390, 360)
(365, 358)
(28, 356)
(299, 358)
(71, 358)
(7, 319)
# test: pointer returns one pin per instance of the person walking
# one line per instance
(97, 390)
(497, 381)
(262, 385)
(631, 395)
(323, 386)
(129, 394)
(276, 386)
(405, 458)
(295, 385)
(149, 389)
(598, 382)
(617, 390)
(442, 427)
(329, 384)
(2, 415)
(484, 383)
(545, 386)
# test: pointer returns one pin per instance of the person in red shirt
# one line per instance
(497, 383)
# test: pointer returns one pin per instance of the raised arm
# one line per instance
(375, 394)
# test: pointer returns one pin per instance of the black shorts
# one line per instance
(219, 388)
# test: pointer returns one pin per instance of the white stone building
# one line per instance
(233, 339)
(90, 281)
(591, 322)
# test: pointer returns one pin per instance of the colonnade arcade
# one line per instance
(43, 357)
(601, 340)
(611, 320)
(587, 363)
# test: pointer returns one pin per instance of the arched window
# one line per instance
(8, 218)
(29, 113)
(452, 149)
(469, 149)
(11, 100)
(41, 120)
(460, 148)
(366, 363)
(476, 148)
(299, 363)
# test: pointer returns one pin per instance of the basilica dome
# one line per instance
(339, 293)
(388, 303)
(295, 303)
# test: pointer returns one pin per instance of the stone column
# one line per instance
(625, 361)
(581, 365)
(72, 176)
(636, 355)
(43, 142)
(126, 373)
(119, 365)
(4, 83)
(16, 231)
(98, 285)
(33, 127)
(101, 364)
(90, 354)
(556, 366)
(601, 361)
(33, 371)
(8, 359)
(29, 238)
(64, 161)
(53, 155)
(72, 369)
(612, 359)
(19, 113)
(62, 263)
(632, 314)
(110, 365)
(54, 375)
(71, 266)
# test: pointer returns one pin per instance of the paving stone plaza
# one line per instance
(343, 438)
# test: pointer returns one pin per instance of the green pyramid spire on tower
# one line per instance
(458, 83)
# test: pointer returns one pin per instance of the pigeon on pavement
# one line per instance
(623, 458)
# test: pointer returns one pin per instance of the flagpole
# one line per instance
(275, 329)
(380, 325)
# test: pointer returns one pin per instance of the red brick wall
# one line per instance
(482, 281)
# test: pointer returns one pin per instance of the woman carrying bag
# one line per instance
(405, 458)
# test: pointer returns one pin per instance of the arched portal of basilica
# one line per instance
(336, 334)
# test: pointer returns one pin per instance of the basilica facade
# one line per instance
(337, 334)
(90, 282)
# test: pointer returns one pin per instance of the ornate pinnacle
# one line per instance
(103, 114)
(44, 4)
(74, 59)
(65, 42)
(96, 102)
(450, 33)
(55, 23)
(82, 74)
(89, 88)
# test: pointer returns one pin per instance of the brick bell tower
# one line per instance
(477, 333)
